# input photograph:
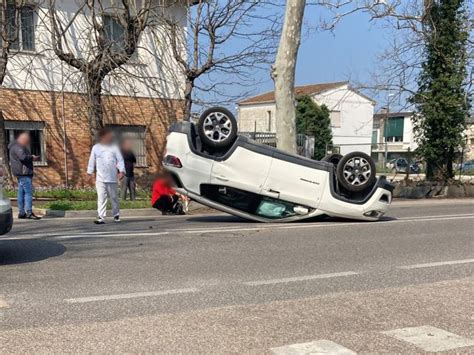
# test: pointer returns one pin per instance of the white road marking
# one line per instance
(130, 295)
(300, 278)
(439, 263)
(430, 338)
(257, 227)
(313, 348)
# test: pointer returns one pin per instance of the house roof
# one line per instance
(394, 114)
(312, 89)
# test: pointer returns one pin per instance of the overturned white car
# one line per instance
(214, 166)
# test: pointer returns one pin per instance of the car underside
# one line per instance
(264, 184)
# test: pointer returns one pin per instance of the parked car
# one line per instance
(401, 165)
(398, 165)
(6, 214)
(216, 167)
(467, 167)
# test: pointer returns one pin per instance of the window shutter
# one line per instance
(395, 127)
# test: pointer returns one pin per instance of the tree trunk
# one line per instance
(283, 74)
(94, 104)
(188, 99)
(4, 149)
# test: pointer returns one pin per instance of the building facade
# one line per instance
(469, 138)
(351, 114)
(392, 136)
(43, 95)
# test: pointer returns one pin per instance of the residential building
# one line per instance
(43, 95)
(392, 135)
(351, 114)
(469, 134)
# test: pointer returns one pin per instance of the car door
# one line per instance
(244, 169)
(295, 180)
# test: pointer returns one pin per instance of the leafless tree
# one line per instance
(283, 71)
(87, 42)
(225, 38)
(9, 20)
(400, 62)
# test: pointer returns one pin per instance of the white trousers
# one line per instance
(106, 190)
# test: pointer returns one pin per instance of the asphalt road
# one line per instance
(218, 284)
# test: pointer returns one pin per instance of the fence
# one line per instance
(267, 138)
(305, 144)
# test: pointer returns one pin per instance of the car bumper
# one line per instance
(6, 221)
(370, 210)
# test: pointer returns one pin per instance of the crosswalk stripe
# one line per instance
(430, 338)
(313, 348)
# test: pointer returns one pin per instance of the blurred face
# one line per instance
(169, 180)
(127, 145)
(107, 138)
(24, 139)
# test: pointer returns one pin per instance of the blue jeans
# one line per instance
(25, 194)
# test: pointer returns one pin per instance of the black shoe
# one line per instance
(22, 216)
(99, 221)
(33, 217)
(117, 219)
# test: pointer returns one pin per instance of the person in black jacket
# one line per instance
(21, 162)
(128, 182)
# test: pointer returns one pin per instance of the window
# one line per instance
(137, 134)
(24, 38)
(36, 130)
(335, 118)
(115, 33)
(394, 129)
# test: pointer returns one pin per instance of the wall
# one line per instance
(255, 118)
(154, 74)
(155, 114)
(355, 131)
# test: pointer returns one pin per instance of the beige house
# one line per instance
(393, 135)
(469, 134)
(351, 114)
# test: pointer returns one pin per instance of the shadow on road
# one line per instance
(28, 251)
(323, 218)
(219, 219)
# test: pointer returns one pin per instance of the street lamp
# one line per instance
(385, 124)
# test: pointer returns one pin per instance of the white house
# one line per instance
(44, 95)
(351, 114)
(393, 135)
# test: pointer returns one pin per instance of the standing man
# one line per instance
(21, 161)
(128, 183)
(106, 161)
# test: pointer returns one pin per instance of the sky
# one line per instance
(348, 53)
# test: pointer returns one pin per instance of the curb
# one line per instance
(194, 208)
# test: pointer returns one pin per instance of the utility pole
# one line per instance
(385, 125)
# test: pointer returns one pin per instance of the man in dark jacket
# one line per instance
(128, 183)
(21, 161)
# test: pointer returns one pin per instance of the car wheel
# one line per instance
(356, 172)
(217, 128)
(333, 158)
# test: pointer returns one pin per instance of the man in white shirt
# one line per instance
(106, 160)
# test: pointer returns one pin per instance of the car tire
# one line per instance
(333, 158)
(217, 128)
(356, 172)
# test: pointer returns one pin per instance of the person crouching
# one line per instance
(164, 198)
